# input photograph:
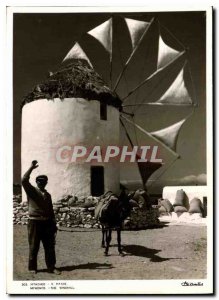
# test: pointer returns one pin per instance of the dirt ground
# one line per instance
(170, 252)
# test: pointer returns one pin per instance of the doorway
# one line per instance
(97, 180)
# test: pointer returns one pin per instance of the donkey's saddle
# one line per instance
(105, 205)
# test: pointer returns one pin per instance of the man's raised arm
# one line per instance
(25, 179)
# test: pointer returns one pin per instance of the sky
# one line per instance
(41, 41)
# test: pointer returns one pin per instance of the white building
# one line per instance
(87, 114)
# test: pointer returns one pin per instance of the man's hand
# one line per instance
(34, 164)
(25, 179)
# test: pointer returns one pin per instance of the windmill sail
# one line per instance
(165, 54)
(156, 85)
(166, 86)
(103, 33)
(136, 30)
(159, 139)
(169, 135)
(77, 52)
(177, 92)
(146, 169)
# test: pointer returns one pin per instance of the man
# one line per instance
(42, 224)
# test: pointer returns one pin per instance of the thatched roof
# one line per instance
(75, 80)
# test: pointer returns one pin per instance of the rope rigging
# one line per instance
(193, 85)
(162, 173)
(122, 62)
(176, 39)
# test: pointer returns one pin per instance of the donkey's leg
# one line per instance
(103, 237)
(108, 237)
(119, 242)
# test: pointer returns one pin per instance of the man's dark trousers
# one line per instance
(44, 231)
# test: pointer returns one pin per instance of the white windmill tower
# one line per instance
(84, 113)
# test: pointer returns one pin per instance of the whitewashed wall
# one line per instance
(48, 125)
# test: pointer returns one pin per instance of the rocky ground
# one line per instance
(170, 252)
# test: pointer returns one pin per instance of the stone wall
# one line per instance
(73, 212)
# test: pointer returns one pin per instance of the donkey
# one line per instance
(111, 212)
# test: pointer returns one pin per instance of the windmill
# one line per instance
(140, 70)
(161, 81)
